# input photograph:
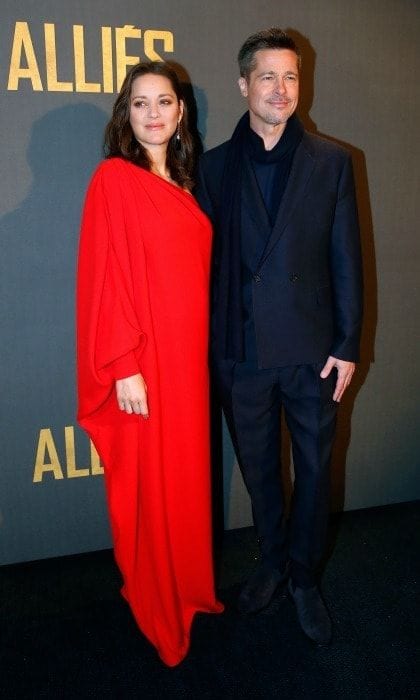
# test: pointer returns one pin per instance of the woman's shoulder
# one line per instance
(110, 174)
(112, 167)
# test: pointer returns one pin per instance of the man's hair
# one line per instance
(273, 38)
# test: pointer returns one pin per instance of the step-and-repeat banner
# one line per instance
(61, 65)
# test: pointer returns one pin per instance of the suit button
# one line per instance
(257, 278)
(294, 277)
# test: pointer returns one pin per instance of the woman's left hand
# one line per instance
(132, 395)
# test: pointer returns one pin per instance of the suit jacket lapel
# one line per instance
(256, 226)
(300, 173)
(252, 198)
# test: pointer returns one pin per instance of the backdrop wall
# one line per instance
(60, 65)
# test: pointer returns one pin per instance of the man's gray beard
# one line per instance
(275, 121)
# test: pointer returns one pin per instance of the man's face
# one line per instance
(272, 90)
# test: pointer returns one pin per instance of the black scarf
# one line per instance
(228, 312)
(272, 167)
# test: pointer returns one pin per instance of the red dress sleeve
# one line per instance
(109, 336)
(125, 366)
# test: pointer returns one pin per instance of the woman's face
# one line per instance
(154, 110)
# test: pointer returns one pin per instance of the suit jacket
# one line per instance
(307, 280)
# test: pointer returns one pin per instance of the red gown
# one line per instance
(142, 305)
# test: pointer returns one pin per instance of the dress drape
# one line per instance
(142, 306)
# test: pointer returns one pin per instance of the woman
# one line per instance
(142, 357)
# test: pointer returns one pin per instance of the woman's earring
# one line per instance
(178, 135)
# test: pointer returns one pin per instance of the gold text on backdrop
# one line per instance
(48, 461)
(25, 59)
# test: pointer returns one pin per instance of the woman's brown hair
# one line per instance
(119, 137)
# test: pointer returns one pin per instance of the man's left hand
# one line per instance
(345, 372)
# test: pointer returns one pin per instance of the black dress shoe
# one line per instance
(312, 614)
(259, 589)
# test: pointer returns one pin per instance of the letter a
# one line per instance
(22, 43)
(46, 448)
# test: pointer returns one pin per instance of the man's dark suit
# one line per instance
(304, 283)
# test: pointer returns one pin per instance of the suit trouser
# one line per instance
(252, 401)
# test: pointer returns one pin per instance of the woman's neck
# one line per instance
(158, 162)
(158, 165)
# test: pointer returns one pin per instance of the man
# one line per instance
(286, 319)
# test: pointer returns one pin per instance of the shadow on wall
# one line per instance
(39, 243)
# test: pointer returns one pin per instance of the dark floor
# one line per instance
(66, 632)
